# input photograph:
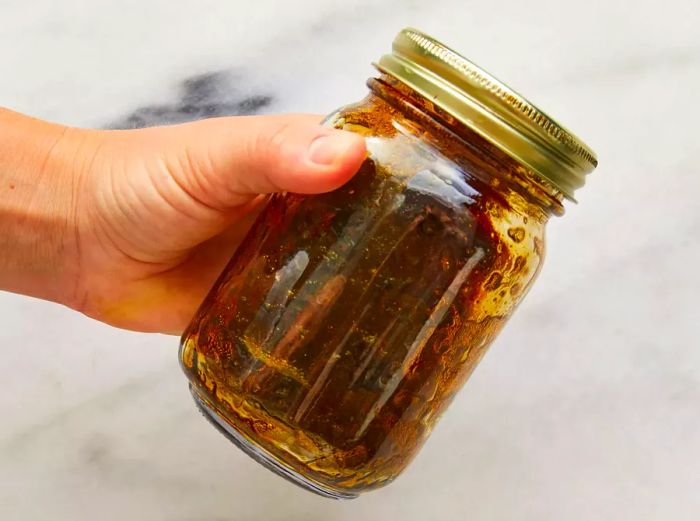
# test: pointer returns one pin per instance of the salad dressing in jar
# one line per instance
(346, 322)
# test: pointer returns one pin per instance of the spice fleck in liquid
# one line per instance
(347, 321)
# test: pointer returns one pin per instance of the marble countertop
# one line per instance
(588, 405)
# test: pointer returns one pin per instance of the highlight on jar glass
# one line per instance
(346, 322)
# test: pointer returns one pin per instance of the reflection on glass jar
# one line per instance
(346, 322)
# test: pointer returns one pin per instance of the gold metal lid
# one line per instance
(490, 108)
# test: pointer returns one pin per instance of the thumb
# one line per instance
(226, 161)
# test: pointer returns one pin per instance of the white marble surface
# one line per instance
(588, 405)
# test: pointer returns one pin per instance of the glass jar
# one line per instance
(346, 322)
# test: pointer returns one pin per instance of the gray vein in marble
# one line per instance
(99, 456)
(218, 93)
(202, 96)
(111, 399)
(587, 406)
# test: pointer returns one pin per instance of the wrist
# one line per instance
(40, 190)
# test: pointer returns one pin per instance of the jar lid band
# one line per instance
(490, 108)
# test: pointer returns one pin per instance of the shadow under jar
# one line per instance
(346, 322)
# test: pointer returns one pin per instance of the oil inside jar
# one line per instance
(347, 321)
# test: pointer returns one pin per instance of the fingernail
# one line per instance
(326, 149)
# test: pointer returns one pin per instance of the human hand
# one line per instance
(136, 225)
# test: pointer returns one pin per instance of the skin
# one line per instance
(132, 227)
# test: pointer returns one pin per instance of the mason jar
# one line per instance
(346, 322)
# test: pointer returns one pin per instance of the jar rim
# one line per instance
(490, 108)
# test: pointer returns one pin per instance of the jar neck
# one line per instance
(498, 169)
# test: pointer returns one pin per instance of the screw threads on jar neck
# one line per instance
(465, 146)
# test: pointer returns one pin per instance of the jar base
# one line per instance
(262, 456)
